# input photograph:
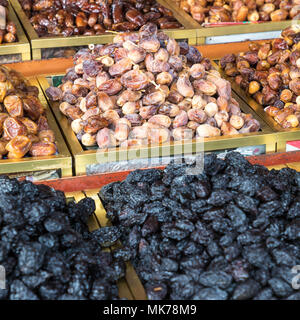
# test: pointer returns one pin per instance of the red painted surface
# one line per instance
(97, 181)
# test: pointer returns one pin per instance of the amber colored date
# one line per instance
(89, 17)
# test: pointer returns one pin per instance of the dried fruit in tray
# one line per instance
(224, 11)
(8, 29)
(73, 18)
(47, 250)
(157, 90)
(231, 231)
(270, 73)
(24, 128)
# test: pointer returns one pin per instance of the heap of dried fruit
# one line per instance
(24, 128)
(146, 88)
(47, 250)
(8, 30)
(230, 232)
(87, 17)
(207, 11)
(270, 72)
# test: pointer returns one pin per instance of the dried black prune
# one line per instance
(215, 279)
(266, 294)
(31, 258)
(18, 291)
(219, 197)
(246, 290)
(222, 234)
(211, 294)
(280, 288)
(45, 246)
(106, 236)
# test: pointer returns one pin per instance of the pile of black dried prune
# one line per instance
(47, 250)
(231, 232)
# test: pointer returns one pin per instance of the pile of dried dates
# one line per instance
(146, 88)
(24, 128)
(214, 11)
(232, 231)
(270, 72)
(9, 33)
(87, 17)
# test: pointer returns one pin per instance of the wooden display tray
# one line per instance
(84, 158)
(22, 46)
(188, 32)
(62, 161)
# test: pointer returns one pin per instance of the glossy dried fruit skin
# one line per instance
(105, 138)
(18, 147)
(154, 98)
(13, 128)
(31, 126)
(32, 107)
(135, 80)
(181, 119)
(42, 149)
(110, 87)
(206, 130)
(160, 120)
(13, 105)
(104, 101)
(122, 129)
(273, 78)
(47, 135)
(205, 87)
(184, 86)
(120, 67)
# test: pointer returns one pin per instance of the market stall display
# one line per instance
(230, 232)
(24, 127)
(229, 21)
(31, 142)
(69, 18)
(48, 251)
(139, 90)
(266, 77)
(14, 46)
(145, 90)
(163, 205)
(56, 27)
(269, 72)
(8, 29)
(240, 10)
